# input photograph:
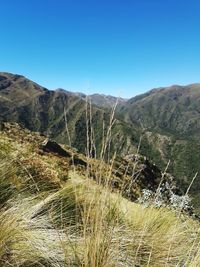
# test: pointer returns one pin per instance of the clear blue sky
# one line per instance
(114, 47)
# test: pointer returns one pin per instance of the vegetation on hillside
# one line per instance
(55, 212)
(166, 120)
(170, 119)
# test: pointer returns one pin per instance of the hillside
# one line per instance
(34, 106)
(59, 208)
(49, 112)
(131, 174)
(170, 118)
(163, 123)
(173, 110)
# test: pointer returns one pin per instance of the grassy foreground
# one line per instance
(52, 215)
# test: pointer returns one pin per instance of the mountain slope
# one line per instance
(170, 118)
(173, 109)
(55, 211)
(31, 148)
(163, 123)
(42, 110)
(39, 109)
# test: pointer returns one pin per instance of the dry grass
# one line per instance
(80, 222)
(84, 224)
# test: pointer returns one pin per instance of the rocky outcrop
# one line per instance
(51, 146)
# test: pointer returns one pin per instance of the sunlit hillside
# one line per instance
(60, 208)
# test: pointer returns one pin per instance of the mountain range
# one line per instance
(162, 124)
